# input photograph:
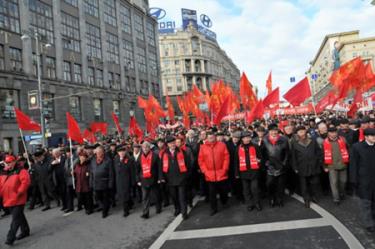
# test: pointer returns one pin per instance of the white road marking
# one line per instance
(248, 229)
(67, 214)
(347, 236)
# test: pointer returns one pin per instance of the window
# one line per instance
(72, 2)
(127, 84)
(98, 109)
(116, 107)
(113, 49)
(91, 76)
(9, 15)
(34, 59)
(150, 33)
(70, 32)
(111, 79)
(153, 63)
(48, 106)
(92, 7)
(99, 78)
(41, 19)
(77, 73)
(2, 65)
(67, 73)
(8, 100)
(133, 86)
(51, 67)
(125, 20)
(129, 58)
(141, 60)
(144, 87)
(93, 41)
(139, 27)
(117, 81)
(110, 12)
(15, 55)
(75, 107)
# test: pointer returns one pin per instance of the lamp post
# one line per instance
(42, 121)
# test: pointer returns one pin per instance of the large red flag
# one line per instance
(272, 98)
(222, 112)
(74, 132)
(299, 93)
(134, 128)
(329, 99)
(269, 83)
(25, 123)
(346, 71)
(247, 94)
(170, 109)
(358, 99)
(89, 136)
(117, 122)
(101, 127)
(256, 113)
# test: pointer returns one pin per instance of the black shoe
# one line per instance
(280, 203)
(5, 214)
(315, 200)
(21, 236)
(63, 208)
(158, 211)
(213, 212)
(176, 213)
(58, 203)
(185, 216)
(88, 212)
(258, 207)
(250, 208)
(46, 208)
(126, 213)
(337, 203)
(145, 216)
(370, 229)
(104, 215)
(99, 210)
(166, 204)
(9, 242)
(68, 211)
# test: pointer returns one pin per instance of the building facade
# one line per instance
(96, 57)
(335, 50)
(188, 57)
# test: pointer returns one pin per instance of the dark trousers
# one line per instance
(86, 200)
(61, 193)
(213, 189)
(276, 187)
(309, 185)
(146, 193)
(291, 180)
(137, 193)
(69, 196)
(251, 191)
(35, 196)
(104, 197)
(178, 195)
(367, 211)
(18, 221)
(47, 193)
(164, 193)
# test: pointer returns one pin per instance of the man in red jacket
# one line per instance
(214, 163)
(13, 190)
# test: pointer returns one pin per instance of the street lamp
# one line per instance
(26, 37)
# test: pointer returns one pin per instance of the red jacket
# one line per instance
(13, 187)
(213, 161)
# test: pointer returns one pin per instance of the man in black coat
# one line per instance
(149, 177)
(247, 162)
(307, 163)
(58, 176)
(124, 165)
(102, 179)
(362, 175)
(235, 184)
(175, 168)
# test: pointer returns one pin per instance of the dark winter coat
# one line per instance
(306, 157)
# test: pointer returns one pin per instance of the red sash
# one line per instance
(180, 161)
(328, 151)
(361, 135)
(253, 158)
(146, 165)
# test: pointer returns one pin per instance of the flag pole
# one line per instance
(71, 162)
(24, 146)
(313, 98)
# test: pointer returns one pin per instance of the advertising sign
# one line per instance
(189, 16)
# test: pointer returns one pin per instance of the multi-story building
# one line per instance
(96, 57)
(335, 50)
(188, 57)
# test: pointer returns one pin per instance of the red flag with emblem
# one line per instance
(117, 122)
(298, 93)
(74, 132)
(25, 123)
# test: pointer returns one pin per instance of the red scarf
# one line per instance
(273, 141)
(328, 159)
(146, 165)
(253, 158)
(161, 153)
(180, 161)
(361, 135)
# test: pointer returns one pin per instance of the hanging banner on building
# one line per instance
(189, 16)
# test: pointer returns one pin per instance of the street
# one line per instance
(293, 226)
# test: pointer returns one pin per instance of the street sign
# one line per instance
(292, 79)
(32, 137)
(33, 100)
(203, 107)
(314, 76)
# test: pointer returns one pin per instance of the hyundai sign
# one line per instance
(157, 13)
(206, 21)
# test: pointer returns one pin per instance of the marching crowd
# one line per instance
(303, 154)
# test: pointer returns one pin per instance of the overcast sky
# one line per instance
(278, 35)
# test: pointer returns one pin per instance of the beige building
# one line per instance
(188, 57)
(348, 45)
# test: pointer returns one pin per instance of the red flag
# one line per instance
(99, 127)
(329, 99)
(134, 128)
(247, 94)
(272, 98)
(74, 132)
(347, 70)
(142, 103)
(170, 109)
(299, 93)
(25, 123)
(89, 136)
(269, 83)
(117, 122)
(222, 112)
(256, 113)
(358, 99)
